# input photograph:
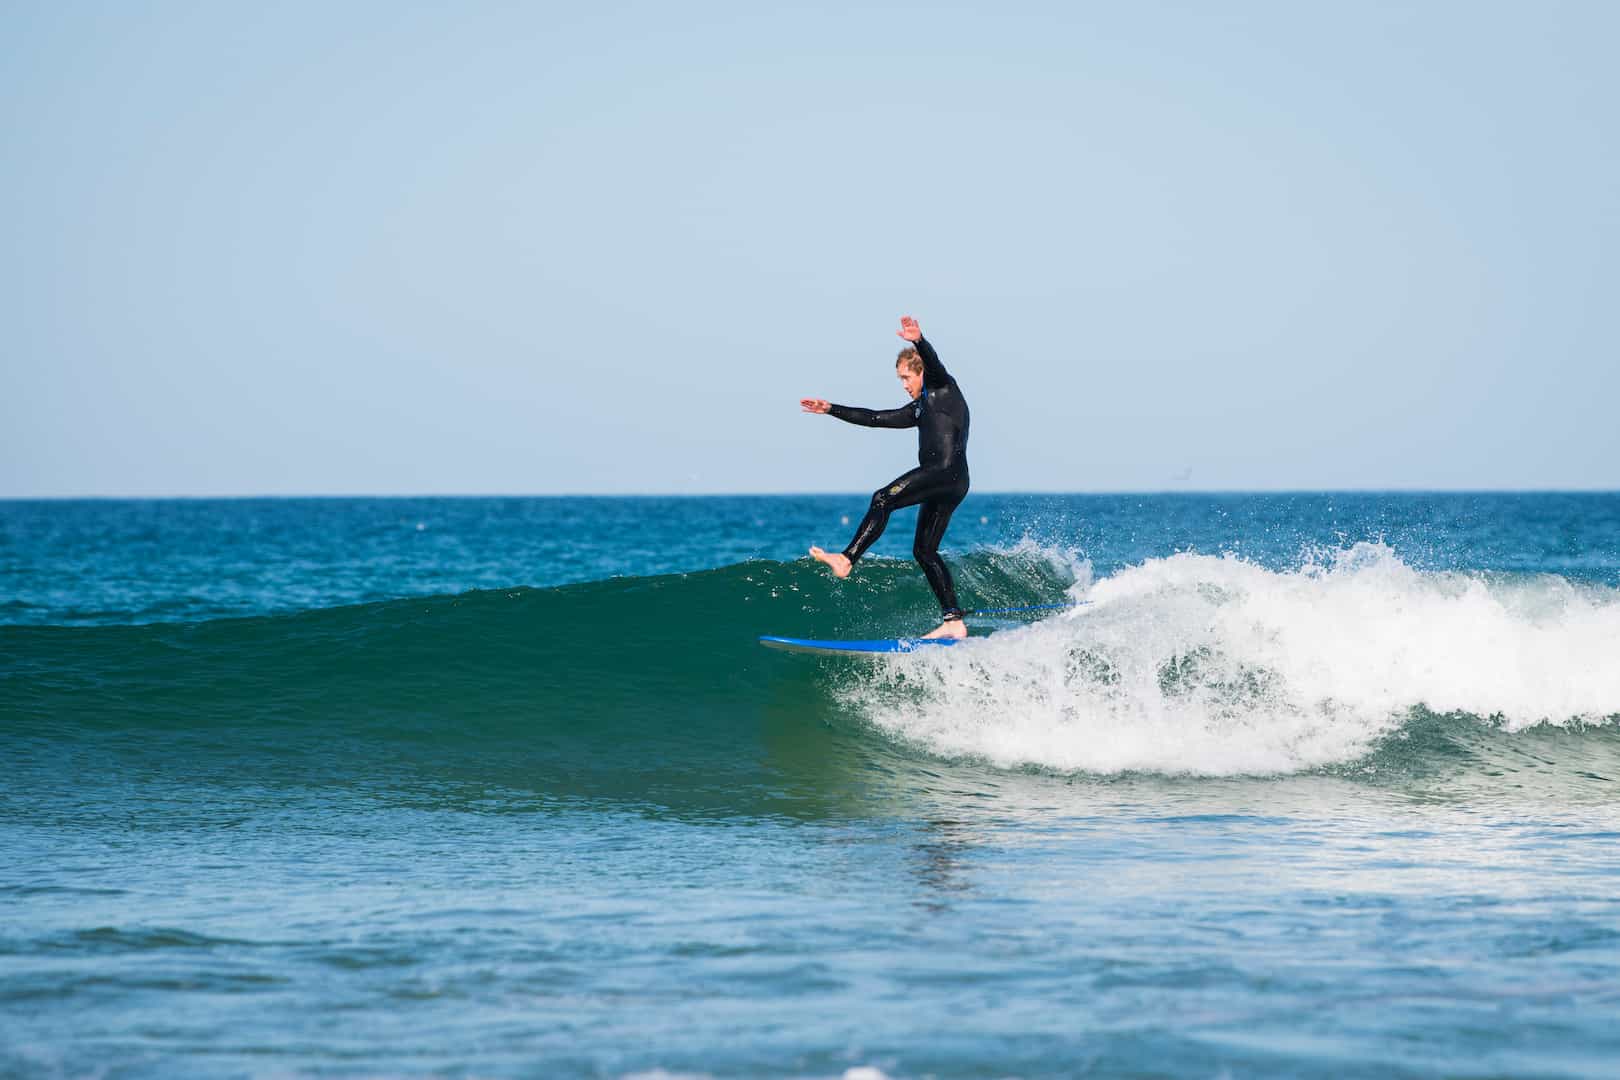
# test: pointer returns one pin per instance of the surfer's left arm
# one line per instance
(934, 373)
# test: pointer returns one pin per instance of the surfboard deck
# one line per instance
(852, 648)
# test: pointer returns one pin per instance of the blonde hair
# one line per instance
(908, 356)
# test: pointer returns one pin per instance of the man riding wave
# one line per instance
(939, 483)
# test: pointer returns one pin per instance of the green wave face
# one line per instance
(644, 690)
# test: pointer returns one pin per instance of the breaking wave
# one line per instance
(1215, 666)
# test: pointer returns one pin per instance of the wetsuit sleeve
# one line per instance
(934, 373)
(905, 416)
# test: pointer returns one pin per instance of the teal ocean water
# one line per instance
(1314, 785)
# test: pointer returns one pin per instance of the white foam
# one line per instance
(1198, 664)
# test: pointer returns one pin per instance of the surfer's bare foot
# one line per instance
(951, 628)
(836, 560)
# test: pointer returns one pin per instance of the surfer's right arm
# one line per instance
(903, 417)
(934, 373)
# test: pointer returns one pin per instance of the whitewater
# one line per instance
(1213, 665)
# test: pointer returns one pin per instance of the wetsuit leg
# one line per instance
(932, 519)
(908, 489)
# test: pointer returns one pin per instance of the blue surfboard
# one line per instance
(852, 648)
(881, 646)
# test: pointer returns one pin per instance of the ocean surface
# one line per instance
(1313, 785)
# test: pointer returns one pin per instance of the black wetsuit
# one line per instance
(940, 481)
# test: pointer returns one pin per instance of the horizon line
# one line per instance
(1102, 492)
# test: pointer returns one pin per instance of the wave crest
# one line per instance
(1213, 665)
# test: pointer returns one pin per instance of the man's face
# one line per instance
(911, 380)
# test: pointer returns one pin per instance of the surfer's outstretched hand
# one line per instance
(909, 329)
(814, 404)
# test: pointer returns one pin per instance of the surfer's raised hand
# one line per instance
(909, 329)
(814, 404)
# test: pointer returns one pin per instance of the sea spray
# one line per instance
(1213, 665)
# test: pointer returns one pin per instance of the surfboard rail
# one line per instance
(890, 646)
(874, 646)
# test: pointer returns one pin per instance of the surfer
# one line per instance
(938, 484)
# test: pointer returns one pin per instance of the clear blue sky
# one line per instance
(521, 247)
